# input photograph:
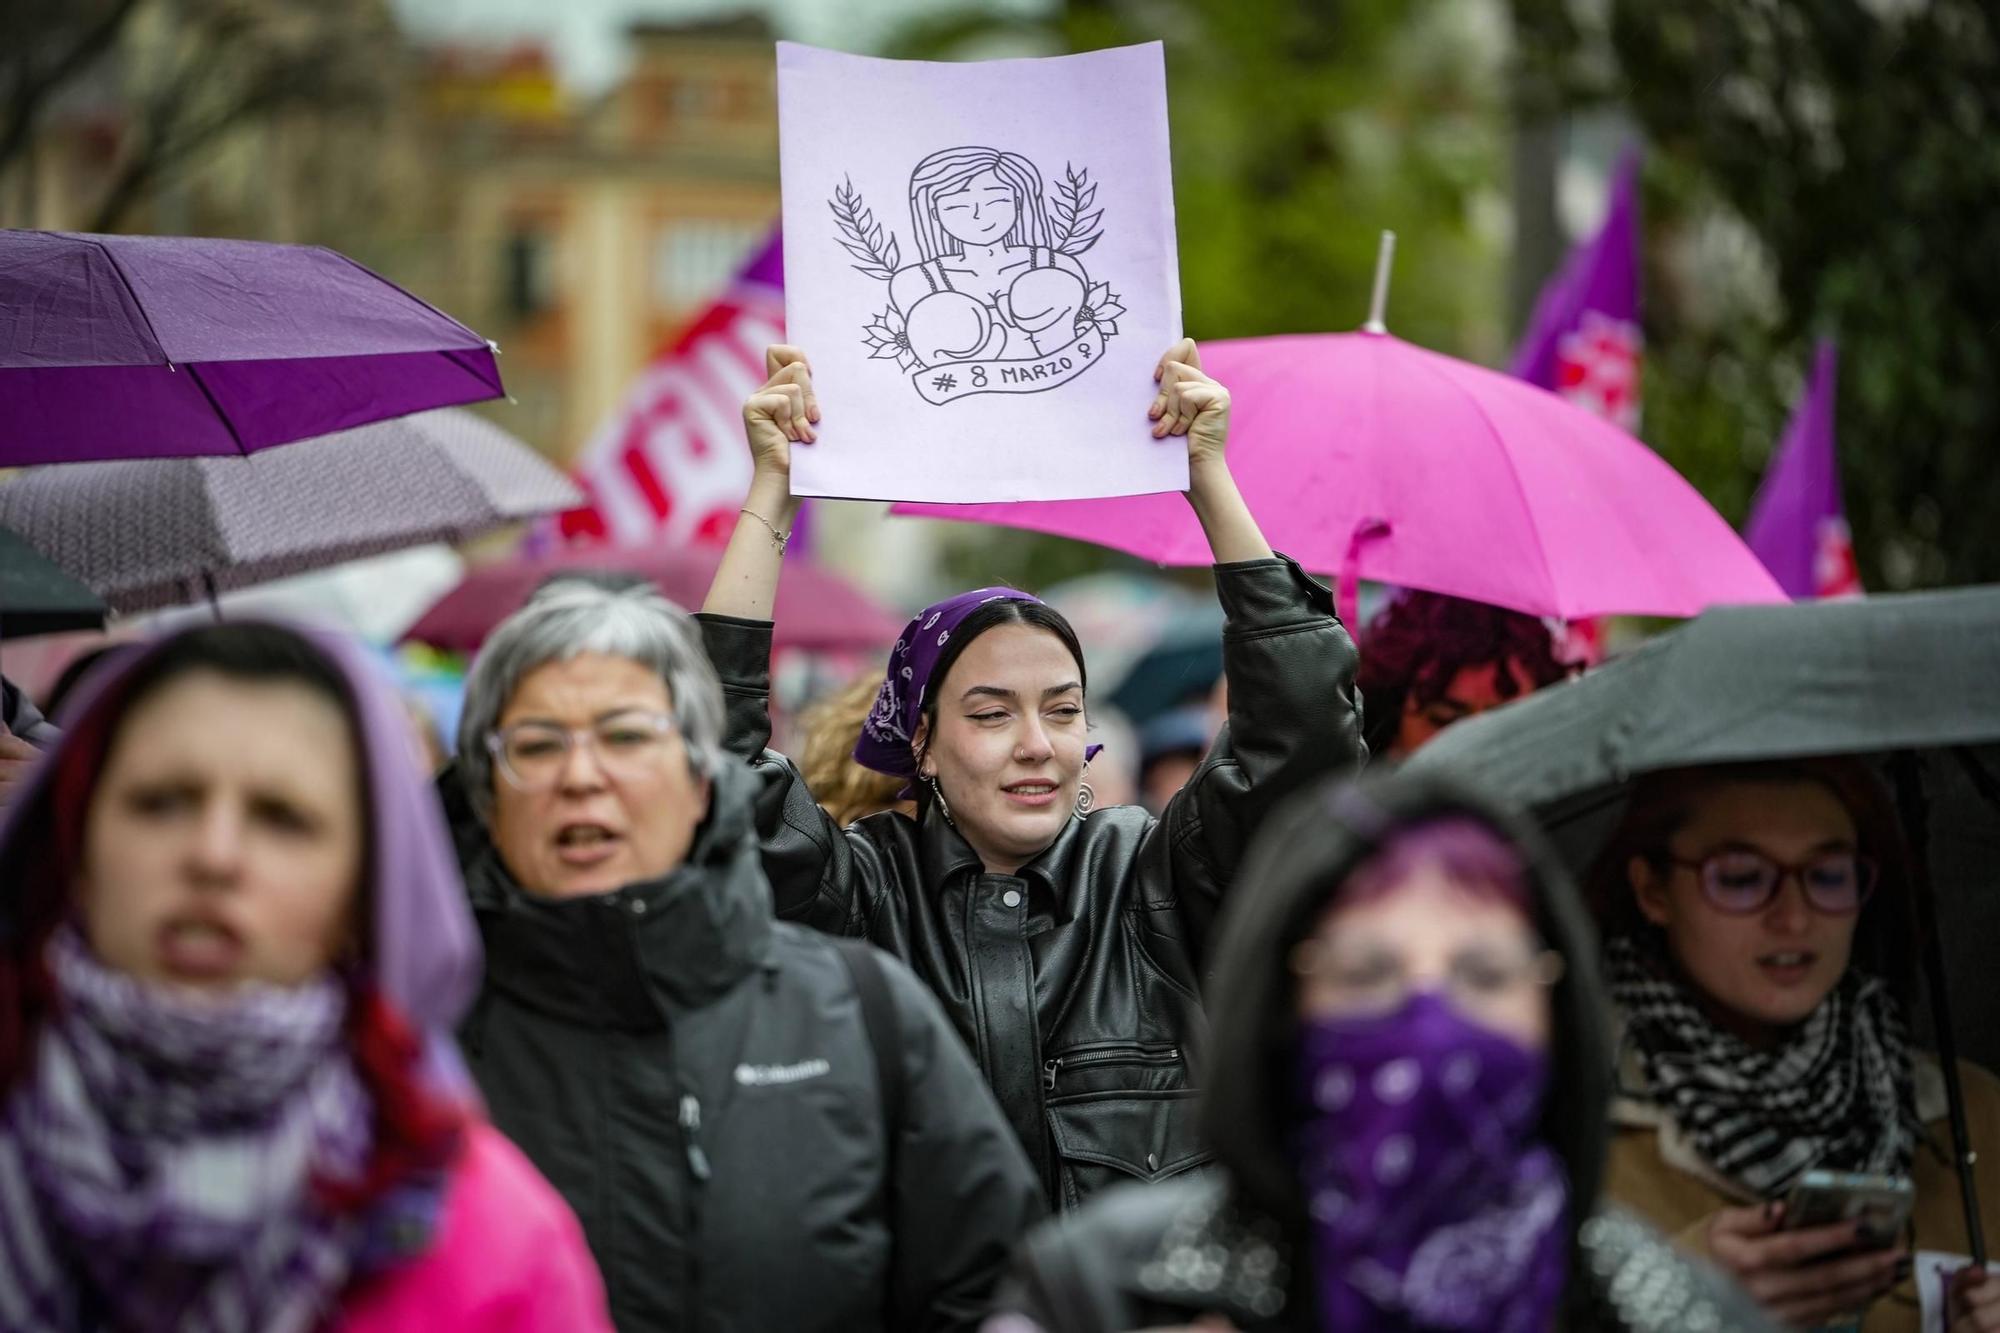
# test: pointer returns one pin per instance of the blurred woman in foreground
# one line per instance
(1410, 1070)
(234, 943)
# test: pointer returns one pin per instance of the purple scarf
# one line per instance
(124, 1076)
(156, 1167)
(1433, 1207)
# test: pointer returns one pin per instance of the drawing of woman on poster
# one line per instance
(999, 280)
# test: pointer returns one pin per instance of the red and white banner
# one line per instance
(669, 465)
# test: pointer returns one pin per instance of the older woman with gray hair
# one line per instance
(720, 1096)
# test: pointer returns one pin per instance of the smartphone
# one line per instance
(1880, 1203)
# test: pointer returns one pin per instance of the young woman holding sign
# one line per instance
(1067, 944)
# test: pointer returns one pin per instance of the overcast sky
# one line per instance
(587, 35)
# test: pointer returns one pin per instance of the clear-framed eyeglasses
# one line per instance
(630, 746)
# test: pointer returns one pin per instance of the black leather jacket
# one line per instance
(1074, 982)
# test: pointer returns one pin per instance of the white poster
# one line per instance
(980, 264)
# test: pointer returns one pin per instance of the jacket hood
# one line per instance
(676, 942)
(1303, 854)
(423, 950)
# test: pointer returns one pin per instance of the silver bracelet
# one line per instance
(778, 539)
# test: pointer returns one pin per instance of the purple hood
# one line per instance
(423, 946)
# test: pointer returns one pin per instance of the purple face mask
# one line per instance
(1433, 1206)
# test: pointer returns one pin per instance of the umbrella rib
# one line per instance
(153, 333)
(1513, 473)
(138, 305)
(217, 558)
(386, 282)
(455, 355)
(194, 372)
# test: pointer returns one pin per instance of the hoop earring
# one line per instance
(1085, 799)
(937, 794)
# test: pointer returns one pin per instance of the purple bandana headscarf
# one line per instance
(1433, 1204)
(892, 724)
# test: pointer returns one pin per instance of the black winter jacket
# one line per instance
(697, 1080)
(1074, 982)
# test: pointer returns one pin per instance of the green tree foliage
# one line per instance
(1301, 129)
(1860, 143)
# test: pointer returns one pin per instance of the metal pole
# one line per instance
(1378, 304)
(1914, 808)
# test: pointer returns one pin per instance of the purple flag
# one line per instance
(1583, 340)
(1797, 526)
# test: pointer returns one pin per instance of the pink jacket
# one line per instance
(510, 1259)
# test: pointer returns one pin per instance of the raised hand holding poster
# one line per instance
(980, 264)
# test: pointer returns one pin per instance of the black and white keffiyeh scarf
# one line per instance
(1838, 1095)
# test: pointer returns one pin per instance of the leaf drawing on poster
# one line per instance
(1074, 193)
(998, 299)
(863, 233)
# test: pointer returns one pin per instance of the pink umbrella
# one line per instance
(1366, 457)
(816, 608)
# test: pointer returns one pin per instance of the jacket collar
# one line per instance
(945, 853)
(942, 850)
(636, 956)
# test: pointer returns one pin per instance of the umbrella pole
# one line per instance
(208, 587)
(1378, 301)
(1914, 808)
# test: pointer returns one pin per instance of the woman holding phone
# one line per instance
(1757, 955)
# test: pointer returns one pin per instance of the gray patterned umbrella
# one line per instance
(162, 532)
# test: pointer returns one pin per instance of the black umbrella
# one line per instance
(37, 597)
(1180, 668)
(1911, 680)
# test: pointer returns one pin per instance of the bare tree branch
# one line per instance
(32, 30)
(237, 64)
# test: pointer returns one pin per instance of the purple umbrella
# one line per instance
(172, 347)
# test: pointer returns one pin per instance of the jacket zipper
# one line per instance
(698, 1167)
(1121, 1055)
(691, 1135)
